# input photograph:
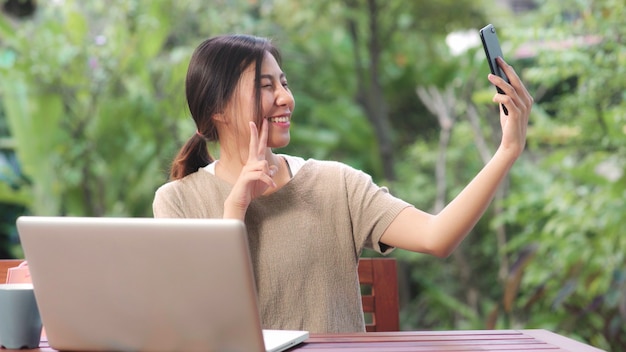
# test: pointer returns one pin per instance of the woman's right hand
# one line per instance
(255, 177)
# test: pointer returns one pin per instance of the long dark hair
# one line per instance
(214, 71)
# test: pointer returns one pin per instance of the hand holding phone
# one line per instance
(489, 37)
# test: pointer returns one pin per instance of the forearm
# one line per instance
(441, 233)
(455, 221)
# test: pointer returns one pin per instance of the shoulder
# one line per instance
(327, 165)
(316, 163)
(190, 186)
(331, 174)
(187, 182)
(321, 168)
(187, 197)
(339, 168)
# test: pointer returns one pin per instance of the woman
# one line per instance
(307, 220)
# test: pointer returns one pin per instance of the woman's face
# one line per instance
(277, 103)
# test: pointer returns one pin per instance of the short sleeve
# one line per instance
(372, 209)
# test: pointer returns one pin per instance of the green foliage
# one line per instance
(564, 209)
(577, 218)
(92, 96)
(314, 36)
(85, 101)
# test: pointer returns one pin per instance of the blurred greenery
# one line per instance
(92, 110)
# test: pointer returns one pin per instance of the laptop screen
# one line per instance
(142, 283)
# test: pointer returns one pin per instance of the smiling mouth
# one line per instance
(279, 119)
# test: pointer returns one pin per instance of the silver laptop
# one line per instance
(130, 284)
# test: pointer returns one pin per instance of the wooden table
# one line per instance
(416, 341)
(460, 340)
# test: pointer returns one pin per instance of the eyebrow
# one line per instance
(281, 76)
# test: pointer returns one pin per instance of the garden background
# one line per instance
(92, 110)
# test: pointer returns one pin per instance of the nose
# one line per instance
(284, 96)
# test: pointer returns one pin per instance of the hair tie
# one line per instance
(199, 134)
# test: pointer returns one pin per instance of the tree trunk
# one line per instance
(369, 93)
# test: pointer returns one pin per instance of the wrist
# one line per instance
(506, 156)
(234, 210)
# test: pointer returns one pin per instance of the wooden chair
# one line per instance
(5, 264)
(379, 282)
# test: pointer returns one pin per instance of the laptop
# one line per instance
(120, 284)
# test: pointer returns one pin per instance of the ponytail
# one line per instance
(192, 156)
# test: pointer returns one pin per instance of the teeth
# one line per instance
(281, 119)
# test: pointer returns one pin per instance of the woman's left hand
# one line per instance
(518, 103)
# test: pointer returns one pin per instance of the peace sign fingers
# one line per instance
(258, 144)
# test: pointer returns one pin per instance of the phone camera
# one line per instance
(493, 30)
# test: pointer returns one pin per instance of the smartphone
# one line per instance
(489, 37)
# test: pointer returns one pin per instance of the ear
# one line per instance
(219, 117)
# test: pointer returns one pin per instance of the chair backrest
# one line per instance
(379, 282)
(5, 264)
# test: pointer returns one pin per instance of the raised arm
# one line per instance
(440, 234)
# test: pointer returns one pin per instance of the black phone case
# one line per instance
(491, 44)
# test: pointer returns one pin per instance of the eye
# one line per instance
(285, 84)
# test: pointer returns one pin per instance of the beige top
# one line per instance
(305, 240)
